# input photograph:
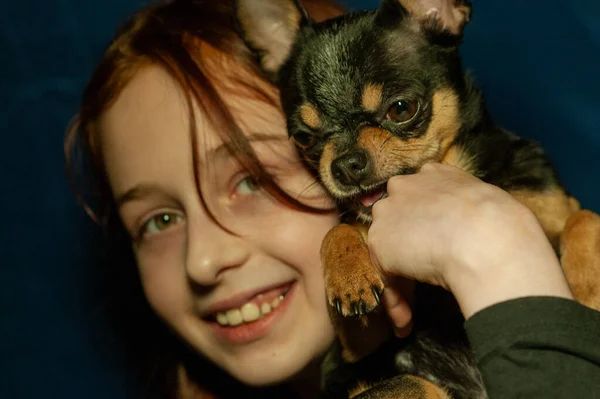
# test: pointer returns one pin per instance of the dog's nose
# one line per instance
(351, 168)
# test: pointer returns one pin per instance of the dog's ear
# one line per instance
(270, 28)
(447, 17)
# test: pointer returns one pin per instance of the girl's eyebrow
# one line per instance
(223, 150)
(137, 192)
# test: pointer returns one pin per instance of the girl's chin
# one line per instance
(267, 372)
(277, 363)
(280, 363)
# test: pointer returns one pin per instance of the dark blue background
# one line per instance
(537, 60)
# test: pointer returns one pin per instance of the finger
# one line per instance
(448, 170)
(397, 308)
(403, 332)
(430, 166)
(395, 184)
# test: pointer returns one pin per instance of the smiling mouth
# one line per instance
(254, 309)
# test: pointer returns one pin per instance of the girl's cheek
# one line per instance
(300, 235)
(160, 252)
(162, 274)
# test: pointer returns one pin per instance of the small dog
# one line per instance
(378, 93)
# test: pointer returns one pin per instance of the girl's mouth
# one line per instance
(255, 318)
(253, 310)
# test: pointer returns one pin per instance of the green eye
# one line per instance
(247, 185)
(304, 140)
(403, 111)
(161, 222)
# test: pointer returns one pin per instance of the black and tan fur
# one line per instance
(374, 94)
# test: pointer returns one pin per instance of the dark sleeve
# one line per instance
(537, 347)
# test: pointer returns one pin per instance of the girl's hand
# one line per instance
(445, 227)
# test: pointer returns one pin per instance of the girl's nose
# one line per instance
(211, 250)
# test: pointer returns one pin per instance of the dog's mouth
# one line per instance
(363, 202)
(367, 199)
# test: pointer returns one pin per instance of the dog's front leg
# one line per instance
(580, 256)
(575, 234)
(353, 288)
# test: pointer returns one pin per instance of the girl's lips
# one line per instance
(239, 300)
(252, 331)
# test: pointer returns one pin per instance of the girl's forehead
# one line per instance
(154, 100)
(149, 126)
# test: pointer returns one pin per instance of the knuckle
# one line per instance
(429, 166)
(394, 182)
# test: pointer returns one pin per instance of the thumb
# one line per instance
(397, 306)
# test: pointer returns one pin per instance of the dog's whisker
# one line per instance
(309, 187)
(385, 142)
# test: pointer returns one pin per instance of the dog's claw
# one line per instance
(338, 307)
(363, 307)
(376, 294)
(355, 308)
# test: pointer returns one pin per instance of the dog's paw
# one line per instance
(353, 285)
(354, 295)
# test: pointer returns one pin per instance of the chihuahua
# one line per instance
(378, 93)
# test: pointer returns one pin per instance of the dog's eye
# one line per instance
(403, 111)
(304, 140)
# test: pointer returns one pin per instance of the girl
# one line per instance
(226, 249)
(219, 224)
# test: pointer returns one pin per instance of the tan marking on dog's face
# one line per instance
(310, 116)
(327, 157)
(390, 154)
(552, 209)
(445, 120)
(457, 157)
(371, 97)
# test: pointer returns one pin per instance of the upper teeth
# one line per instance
(247, 313)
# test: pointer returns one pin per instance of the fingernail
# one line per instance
(403, 332)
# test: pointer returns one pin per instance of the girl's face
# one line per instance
(250, 299)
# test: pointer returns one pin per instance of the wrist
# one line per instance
(520, 268)
(485, 287)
